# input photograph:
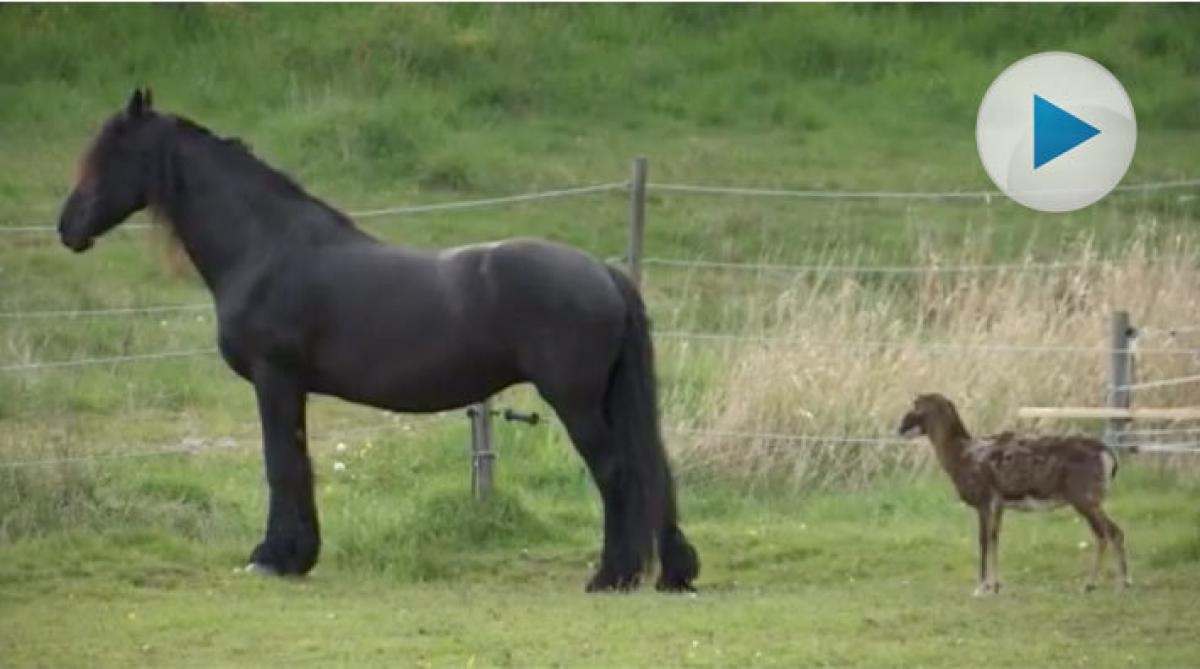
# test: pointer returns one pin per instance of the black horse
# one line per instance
(308, 303)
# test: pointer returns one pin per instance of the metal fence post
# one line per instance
(482, 454)
(1119, 395)
(637, 218)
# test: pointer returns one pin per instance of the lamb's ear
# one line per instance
(137, 104)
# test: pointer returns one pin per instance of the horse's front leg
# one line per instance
(292, 539)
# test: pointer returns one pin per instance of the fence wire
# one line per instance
(98, 457)
(866, 269)
(348, 429)
(1137, 446)
(650, 261)
(1168, 331)
(1151, 431)
(1177, 448)
(402, 209)
(901, 344)
(111, 360)
(984, 195)
(114, 311)
(1160, 383)
(987, 348)
(489, 202)
(804, 438)
(225, 443)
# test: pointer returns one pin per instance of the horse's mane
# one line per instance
(241, 157)
(242, 164)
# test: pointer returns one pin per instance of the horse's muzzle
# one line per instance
(78, 245)
(69, 221)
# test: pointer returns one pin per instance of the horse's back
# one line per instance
(424, 330)
(556, 309)
(539, 274)
(496, 281)
(535, 289)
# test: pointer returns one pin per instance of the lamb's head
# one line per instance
(927, 412)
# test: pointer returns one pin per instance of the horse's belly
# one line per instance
(416, 386)
(418, 402)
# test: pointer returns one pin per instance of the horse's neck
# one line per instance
(201, 213)
(225, 227)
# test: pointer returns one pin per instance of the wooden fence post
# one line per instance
(637, 219)
(482, 454)
(1121, 376)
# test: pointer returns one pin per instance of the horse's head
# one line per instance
(114, 174)
(927, 411)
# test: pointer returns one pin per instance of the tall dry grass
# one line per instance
(843, 355)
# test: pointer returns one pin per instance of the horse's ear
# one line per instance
(137, 103)
(147, 99)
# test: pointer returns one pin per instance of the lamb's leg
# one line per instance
(985, 533)
(1117, 537)
(994, 545)
(1099, 524)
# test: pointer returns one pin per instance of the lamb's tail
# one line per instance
(1109, 455)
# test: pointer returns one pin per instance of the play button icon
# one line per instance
(1056, 131)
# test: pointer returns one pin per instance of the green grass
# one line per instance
(227, 620)
(415, 573)
(130, 561)
(143, 557)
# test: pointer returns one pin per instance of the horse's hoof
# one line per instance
(987, 589)
(674, 586)
(294, 555)
(260, 569)
(609, 583)
(621, 587)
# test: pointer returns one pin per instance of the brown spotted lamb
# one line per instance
(1020, 472)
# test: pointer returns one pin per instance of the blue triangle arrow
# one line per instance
(1056, 131)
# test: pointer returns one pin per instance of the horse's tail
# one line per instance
(631, 408)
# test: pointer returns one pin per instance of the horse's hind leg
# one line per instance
(620, 561)
(680, 564)
(292, 538)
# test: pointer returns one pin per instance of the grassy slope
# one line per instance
(484, 99)
(372, 106)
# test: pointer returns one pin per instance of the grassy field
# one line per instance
(417, 575)
(815, 553)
